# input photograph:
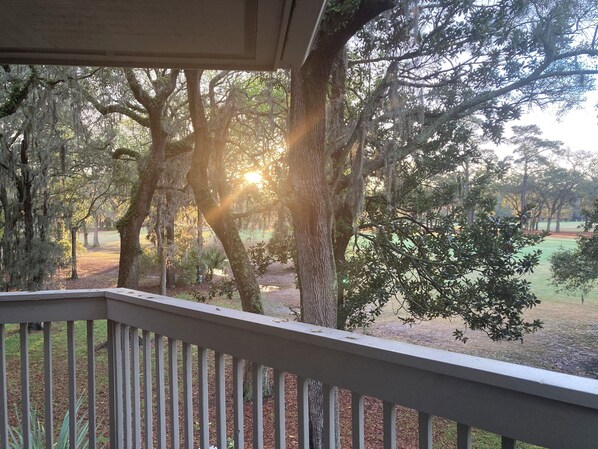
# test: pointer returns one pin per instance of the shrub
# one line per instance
(213, 258)
(38, 432)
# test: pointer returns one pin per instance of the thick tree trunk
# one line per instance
(170, 245)
(85, 235)
(161, 250)
(217, 214)
(130, 250)
(129, 226)
(311, 212)
(200, 269)
(96, 234)
(33, 271)
(558, 219)
(310, 202)
(74, 274)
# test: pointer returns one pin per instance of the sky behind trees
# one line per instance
(577, 129)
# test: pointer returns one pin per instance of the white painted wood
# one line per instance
(72, 377)
(204, 416)
(25, 397)
(457, 387)
(239, 411)
(3, 403)
(188, 395)
(390, 425)
(425, 430)
(329, 429)
(112, 397)
(173, 381)
(48, 387)
(136, 400)
(508, 443)
(91, 385)
(308, 351)
(118, 385)
(220, 400)
(60, 305)
(279, 411)
(147, 390)
(463, 436)
(160, 392)
(357, 421)
(127, 407)
(257, 382)
(302, 413)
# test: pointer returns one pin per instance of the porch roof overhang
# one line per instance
(216, 34)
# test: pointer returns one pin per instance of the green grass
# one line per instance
(541, 277)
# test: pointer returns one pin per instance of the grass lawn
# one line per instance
(540, 279)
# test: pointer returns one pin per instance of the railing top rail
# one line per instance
(547, 384)
(44, 295)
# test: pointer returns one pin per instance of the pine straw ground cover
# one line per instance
(444, 431)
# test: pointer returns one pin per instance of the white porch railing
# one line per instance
(520, 403)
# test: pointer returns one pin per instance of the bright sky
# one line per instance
(577, 129)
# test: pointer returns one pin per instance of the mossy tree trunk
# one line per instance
(150, 170)
(214, 202)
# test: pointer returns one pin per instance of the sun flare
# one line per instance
(253, 177)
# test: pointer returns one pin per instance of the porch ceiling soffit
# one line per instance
(218, 34)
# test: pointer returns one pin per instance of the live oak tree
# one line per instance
(504, 55)
(431, 65)
(219, 105)
(576, 270)
(150, 93)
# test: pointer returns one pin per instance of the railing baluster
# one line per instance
(25, 399)
(328, 433)
(91, 384)
(160, 391)
(3, 405)
(302, 413)
(463, 436)
(204, 427)
(188, 395)
(508, 443)
(111, 383)
(173, 381)
(126, 353)
(358, 433)
(147, 389)
(136, 385)
(258, 410)
(48, 387)
(425, 430)
(279, 411)
(239, 425)
(390, 425)
(72, 377)
(220, 400)
(118, 384)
